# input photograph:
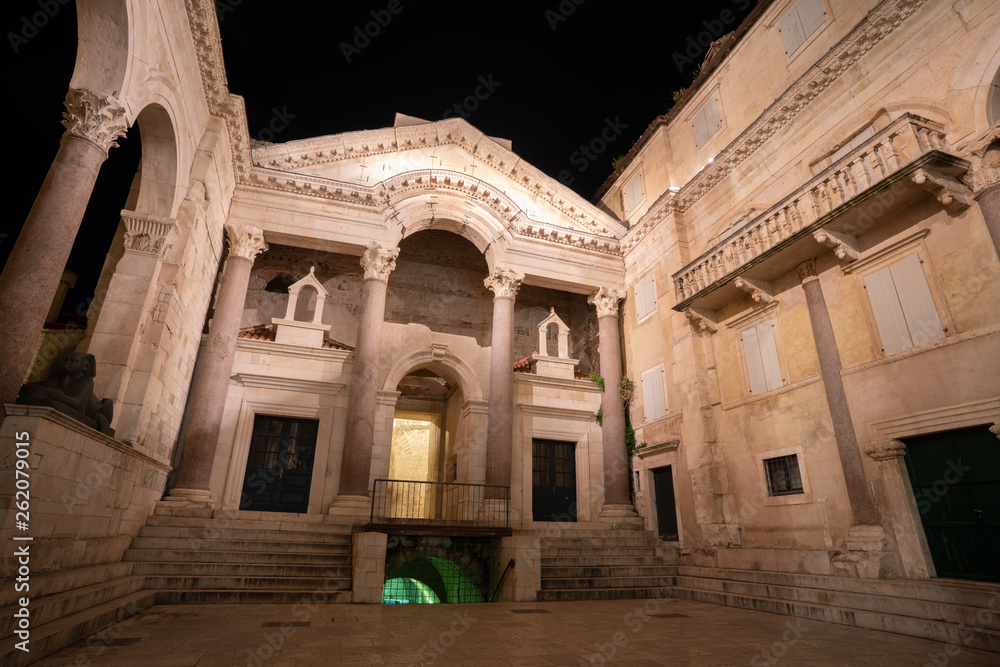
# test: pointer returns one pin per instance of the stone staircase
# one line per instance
(963, 613)
(604, 564)
(206, 556)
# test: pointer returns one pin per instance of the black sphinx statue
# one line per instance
(69, 388)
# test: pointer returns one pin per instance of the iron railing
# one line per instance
(440, 503)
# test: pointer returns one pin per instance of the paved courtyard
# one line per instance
(621, 632)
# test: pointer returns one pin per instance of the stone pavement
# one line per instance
(621, 632)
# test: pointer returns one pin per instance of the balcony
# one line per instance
(405, 507)
(903, 161)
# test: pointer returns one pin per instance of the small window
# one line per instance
(783, 476)
(632, 193)
(800, 22)
(645, 298)
(761, 355)
(707, 122)
(903, 307)
(654, 398)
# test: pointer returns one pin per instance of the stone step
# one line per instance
(571, 530)
(198, 569)
(599, 561)
(47, 608)
(318, 596)
(952, 633)
(238, 557)
(249, 524)
(50, 637)
(574, 594)
(216, 532)
(590, 570)
(607, 582)
(51, 583)
(189, 582)
(587, 552)
(549, 542)
(180, 543)
(900, 605)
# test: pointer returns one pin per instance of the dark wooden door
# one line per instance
(956, 483)
(666, 510)
(553, 480)
(279, 465)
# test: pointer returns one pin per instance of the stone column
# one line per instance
(499, 429)
(985, 180)
(93, 122)
(862, 508)
(617, 507)
(362, 401)
(208, 396)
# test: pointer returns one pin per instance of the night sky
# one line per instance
(548, 75)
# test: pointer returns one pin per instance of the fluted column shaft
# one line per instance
(362, 402)
(31, 276)
(208, 396)
(499, 429)
(612, 406)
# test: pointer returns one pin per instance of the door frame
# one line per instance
(574, 505)
(564, 425)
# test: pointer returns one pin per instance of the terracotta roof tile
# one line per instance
(269, 331)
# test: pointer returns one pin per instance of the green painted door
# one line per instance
(956, 483)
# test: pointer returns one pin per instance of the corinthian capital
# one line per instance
(504, 283)
(95, 117)
(147, 234)
(378, 262)
(245, 241)
(606, 301)
(885, 450)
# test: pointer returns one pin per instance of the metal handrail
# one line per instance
(503, 576)
(440, 503)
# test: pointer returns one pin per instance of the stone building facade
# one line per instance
(802, 256)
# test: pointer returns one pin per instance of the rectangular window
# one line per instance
(904, 309)
(645, 298)
(654, 398)
(783, 476)
(800, 22)
(707, 122)
(632, 193)
(761, 355)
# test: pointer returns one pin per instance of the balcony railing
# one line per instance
(397, 501)
(891, 150)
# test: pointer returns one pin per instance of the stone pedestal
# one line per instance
(554, 367)
(866, 557)
(499, 430)
(356, 510)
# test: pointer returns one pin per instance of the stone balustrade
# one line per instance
(901, 144)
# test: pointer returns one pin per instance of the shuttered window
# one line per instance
(904, 309)
(632, 192)
(707, 122)
(761, 355)
(645, 298)
(654, 398)
(801, 22)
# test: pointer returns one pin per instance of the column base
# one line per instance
(621, 516)
(495, 512)
(357, 510)
(866, 557)
(189, 497)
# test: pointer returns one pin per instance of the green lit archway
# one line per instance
(430, 580)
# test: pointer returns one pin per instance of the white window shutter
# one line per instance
(661, 399)
(769, 355)
(713, 121)
(649, 394)
(811, 16)
(755, 365)
(700, 129)
(632, 192)
(922, 320)
(791, 31)
(889, 318)
(650, 294)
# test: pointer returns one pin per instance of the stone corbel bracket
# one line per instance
(947, 189)
(703, 321)
(145, 233)
(760, 290)
(885, 450)
(844, 246)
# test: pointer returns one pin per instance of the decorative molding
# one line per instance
(844, 246)
(948, 190)
(661, 448)
(573, 384)
(886, 450)
(94, 117)
(984, 154)
(438, 350)
(504, 282)
(606, 301)
(556, 413)
(774, 392)
(948, 418)
(378, 262)
(702, 321)
(889, 252)
(807, 270)
(947, 341)
(287, 384)
(760, 290)
(245, 241)
(148, 234)
(293, 351)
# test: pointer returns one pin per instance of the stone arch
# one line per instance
(159, 166)
(105, 29)
(446, 365)
(993, 100)
(260, 278)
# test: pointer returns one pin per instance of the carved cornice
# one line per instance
(95, 117)
(148, 234)
(877, 25)
(504, 282)
(886, 450)
(844, 246)
(659, 212)
(760, 290)
(948, 190)
(606, 301)
(807, 270)
(702, 321)
(378, 262)
(245, 241)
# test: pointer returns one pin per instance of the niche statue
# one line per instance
(69, 388)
